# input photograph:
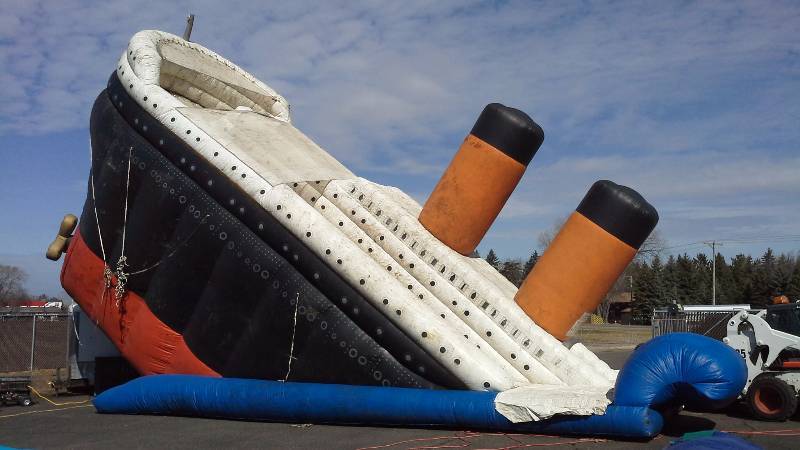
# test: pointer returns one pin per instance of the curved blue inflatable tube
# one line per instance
(682, 368)
(345, 404)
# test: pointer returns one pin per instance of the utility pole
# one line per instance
(713, 245)
(187, 33)
(631, 278)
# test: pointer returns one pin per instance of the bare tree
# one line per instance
(654, 245)
(12, 279)
(546, 237)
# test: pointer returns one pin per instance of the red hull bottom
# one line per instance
(145, 341)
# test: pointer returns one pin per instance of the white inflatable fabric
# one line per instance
(459, 309)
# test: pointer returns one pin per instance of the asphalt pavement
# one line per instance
(78, 426)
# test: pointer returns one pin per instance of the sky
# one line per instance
(694, 105)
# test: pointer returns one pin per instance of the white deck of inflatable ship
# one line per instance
(459, 309)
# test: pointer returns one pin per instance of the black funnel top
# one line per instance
(619, 210)
(509, 130)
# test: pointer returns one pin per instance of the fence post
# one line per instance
(33, 341)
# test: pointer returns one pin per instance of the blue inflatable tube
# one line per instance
(235, 398)
(681, 369)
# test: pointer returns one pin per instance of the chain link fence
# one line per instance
(33, 341)
(708, 323)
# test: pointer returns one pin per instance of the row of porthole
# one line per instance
(411, 265)
(308, 234)
(452, 278)
(223, 235)
(386, 301)
(433, 261)
(410, 287)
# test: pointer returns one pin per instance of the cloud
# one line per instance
(696, 106)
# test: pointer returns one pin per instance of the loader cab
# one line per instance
(785, 317)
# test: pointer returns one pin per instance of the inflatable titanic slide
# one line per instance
(218, 240)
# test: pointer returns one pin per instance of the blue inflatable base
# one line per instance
(274, 401)
(668, 371)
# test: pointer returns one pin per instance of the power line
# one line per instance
(742, 240)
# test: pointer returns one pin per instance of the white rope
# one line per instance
(294, 328)
(106, 269)
(122, 276)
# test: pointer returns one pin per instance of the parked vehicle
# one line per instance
(15, 390)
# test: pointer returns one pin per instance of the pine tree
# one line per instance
(644, 290)
(492, 259)
(512, 270)
(659, 287)
(534, 258)
(702, 279)
(741, 269)
(766, 282)
(793, 291)
(725, 294)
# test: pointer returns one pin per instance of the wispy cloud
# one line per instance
(695, 105)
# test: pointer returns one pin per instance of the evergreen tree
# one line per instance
(659, 287)
(702, 279)
(687, 281)
(530, 263)
(492, 259)
(512, 270)
(670, 285)
(766, 282)
(645, 296)
(793, 290)
(725, 294)
(741, 270)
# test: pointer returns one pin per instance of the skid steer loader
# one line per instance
(769, 343)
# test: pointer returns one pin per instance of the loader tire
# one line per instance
(772, 399)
